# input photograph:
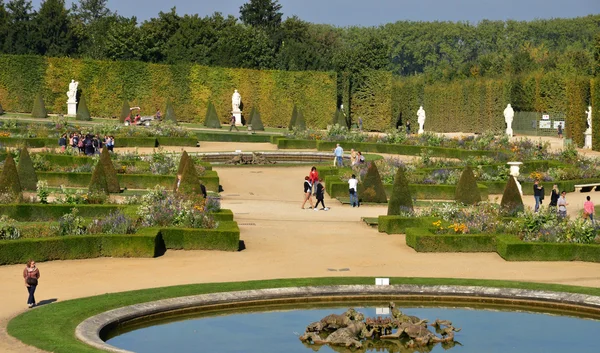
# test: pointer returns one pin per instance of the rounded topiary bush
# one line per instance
(26, 171)
(400, 199)
(212, 119)
(124, 111)
(257, 124)
(109, 172)
(9, 179)
(373, 190)
(98, 183)
(294, 118)
(512, 202)
(83, 112)
(467, 191)
(39, 108)
(170, 112)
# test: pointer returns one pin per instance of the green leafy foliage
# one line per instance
(212, 119)
(512, 202)
(39, 109)
(467, 191)
(9, 179)
(109, 171)
(257, 124)
(27, 176)
(98, 182)
(400, 200)
(83, 112)
(372, 187)
(170, 112)
(124, 111)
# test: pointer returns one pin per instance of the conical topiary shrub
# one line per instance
(83, 112)
(467, 191)
(27, 177)
(212, 119)
(98, 182)
(342, 119)
(335, 119)
(300, 122)
(170, 112)
(9, 179)
(372, 187)
(257, 124)
(251, 116)
(124, 111)
(294, 118)
(512, 202)
(190, 182)
(109, 171)
(39, 108)
(182, 162)
(400, 199)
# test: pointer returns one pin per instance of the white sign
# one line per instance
(556, 122)
(382, 311)
(382, 281)
(546, 117)
(545, 124)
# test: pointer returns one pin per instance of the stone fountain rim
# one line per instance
(90, 330)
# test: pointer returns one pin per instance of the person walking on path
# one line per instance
(562, 205)
(538, 194)
(307, 192)
(232, 124)
(554, 196)
(560, 130)
(588, 210)
(321, 196)
(31, 275)
(339, 155)
(314, 179)
(353, 191)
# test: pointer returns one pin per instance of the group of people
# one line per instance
(558, 200)
(86, 144)
(356, 158)
(313, 185)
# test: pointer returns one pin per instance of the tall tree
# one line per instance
(21, 37)
(53, 25)
(261, 13)
(4, 25)
(91, 20)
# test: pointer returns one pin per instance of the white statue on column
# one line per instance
(588, 131)
(236, 101)
(421, 119)
(72, 95)
(509, 114)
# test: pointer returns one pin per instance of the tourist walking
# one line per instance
(232, 124)
(314, 179)
(560, 130)
(307, 192)
(408, 127)
(562, 205)
(588, 210)
(339, 155)
(31, 275)
(554, 196)
(320, 196)
(353, 191)
(62, 142)
(538, 194)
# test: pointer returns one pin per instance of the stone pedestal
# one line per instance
(71, 108)
(238, 118)
(588, 139)
(509, 132)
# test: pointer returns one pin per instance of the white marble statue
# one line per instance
(589, 118)
(509, 115)
(236, 100)
(421, 119)
(72, 94)
(588, 131)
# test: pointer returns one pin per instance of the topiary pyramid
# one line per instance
(1, 110)
(9, 179)
(251, 116)
(109, 171)
(212, 119)
(372, 187)
(467, 191)
(39, 108)
(27, 177)
(512, 202)
(400, 199)
(190, 182)
(300, 122)
(294, 118)
(257, 124)
(335, 118)
(341, 119)
(170, 112)
(83, 112)
(98, 182)
(182, 161)
(124, 111)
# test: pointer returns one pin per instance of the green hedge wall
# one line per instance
(226, 238)
(423, 240)
(189, 86)
(399, 224)
(284, 143)
(233, 137)
(119, 142)
(39, 212)
(595, 103)
(577, 90)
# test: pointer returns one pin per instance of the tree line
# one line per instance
(261, 39)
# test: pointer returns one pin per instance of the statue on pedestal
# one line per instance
(72, 95)
(236, 100)
(588, 131)
(421, 119)
(509, 114)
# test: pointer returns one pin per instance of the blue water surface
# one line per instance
(487, 331)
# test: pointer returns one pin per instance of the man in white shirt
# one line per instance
(339, 155)
(353, 190)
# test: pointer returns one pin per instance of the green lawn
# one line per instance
(51, 327)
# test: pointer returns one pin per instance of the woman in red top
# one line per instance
(314, 178)
(31, 274)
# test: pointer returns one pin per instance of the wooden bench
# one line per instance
(587, 187)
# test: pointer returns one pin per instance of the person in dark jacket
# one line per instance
(307, 192)
(538, 194)
(554, 196)
(321, 196)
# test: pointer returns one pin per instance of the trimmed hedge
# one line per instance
(119, 142)
(298, 144)
(39, 212)
(234, 137)
(225, 237)
(423, 240)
